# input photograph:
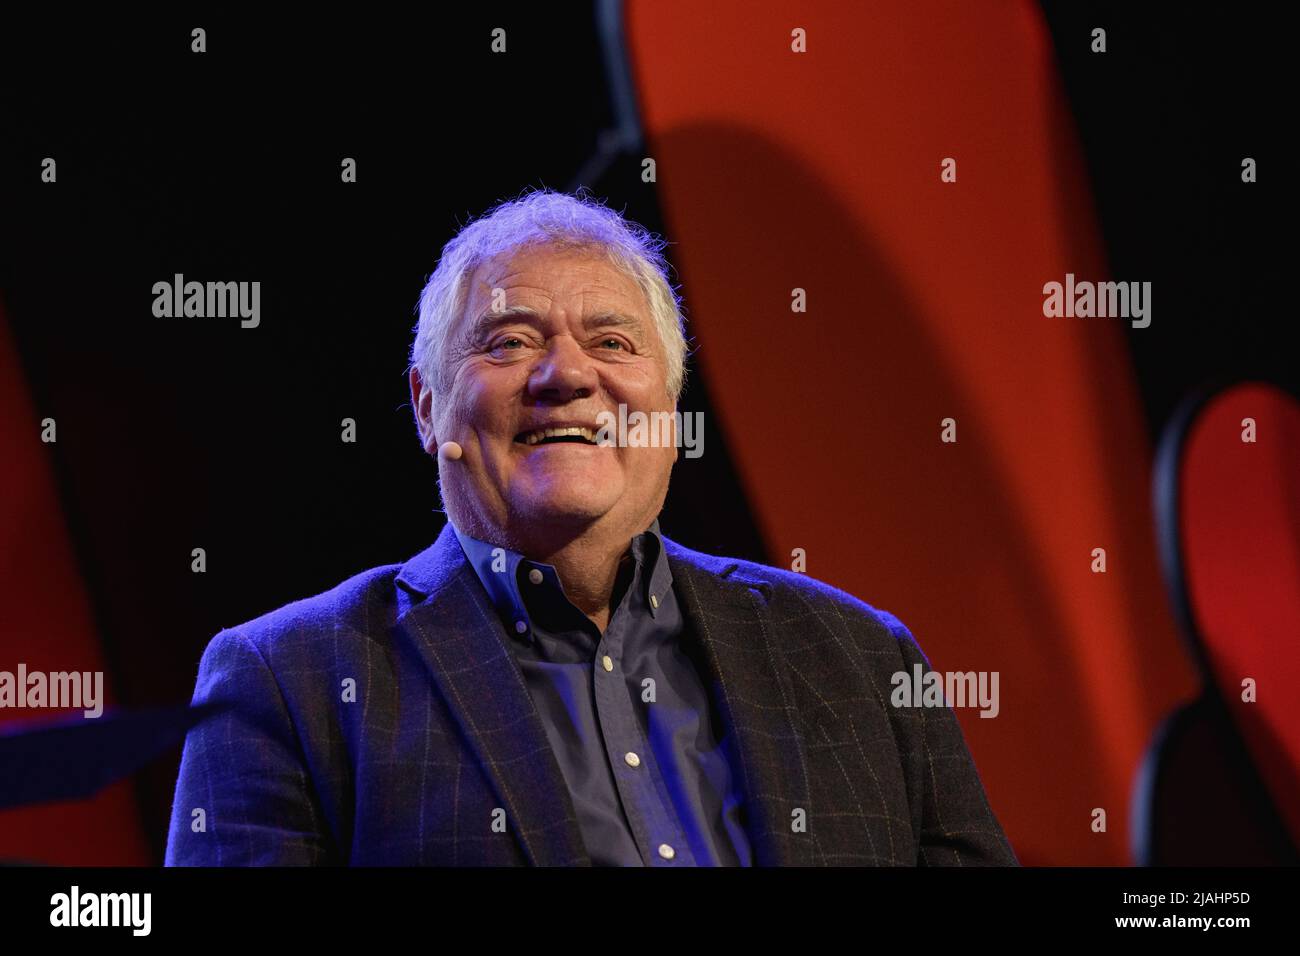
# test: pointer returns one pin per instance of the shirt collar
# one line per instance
(500, 570)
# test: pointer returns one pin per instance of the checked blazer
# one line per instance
(386, 722)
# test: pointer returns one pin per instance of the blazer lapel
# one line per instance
(453, 627)
(729, 618)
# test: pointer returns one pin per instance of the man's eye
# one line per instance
(506, 342)
(616, 342)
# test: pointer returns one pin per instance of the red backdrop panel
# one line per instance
(45, 623)
(821, 171)
(1240, 520)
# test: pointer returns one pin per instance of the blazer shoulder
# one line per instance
(793, 591)
(351, 604)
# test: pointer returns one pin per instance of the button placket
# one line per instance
(636, 774)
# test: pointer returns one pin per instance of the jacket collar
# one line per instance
(499, 571)
(452, 624)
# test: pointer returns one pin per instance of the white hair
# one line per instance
(546, 217)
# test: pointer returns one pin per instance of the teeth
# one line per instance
(532, 438)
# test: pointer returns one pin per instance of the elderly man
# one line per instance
(554, 681)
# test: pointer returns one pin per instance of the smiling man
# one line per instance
(555, 681)
(521, 389)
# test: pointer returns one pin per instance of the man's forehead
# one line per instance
(531, 279)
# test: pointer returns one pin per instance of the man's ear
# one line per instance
(422, 403)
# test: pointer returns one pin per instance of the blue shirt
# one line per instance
(626, 712)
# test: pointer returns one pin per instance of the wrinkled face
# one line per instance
(549, 338)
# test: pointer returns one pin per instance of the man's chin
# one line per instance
(565, 510)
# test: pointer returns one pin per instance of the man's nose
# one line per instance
(565, 372)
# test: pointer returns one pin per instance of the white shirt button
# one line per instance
(607, 662)
(632, 759)
(666, 851)
(535, 576)
(521, 626)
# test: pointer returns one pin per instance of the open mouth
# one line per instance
(574, 435)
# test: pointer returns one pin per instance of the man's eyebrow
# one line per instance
(606, 320)
(493, 319)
